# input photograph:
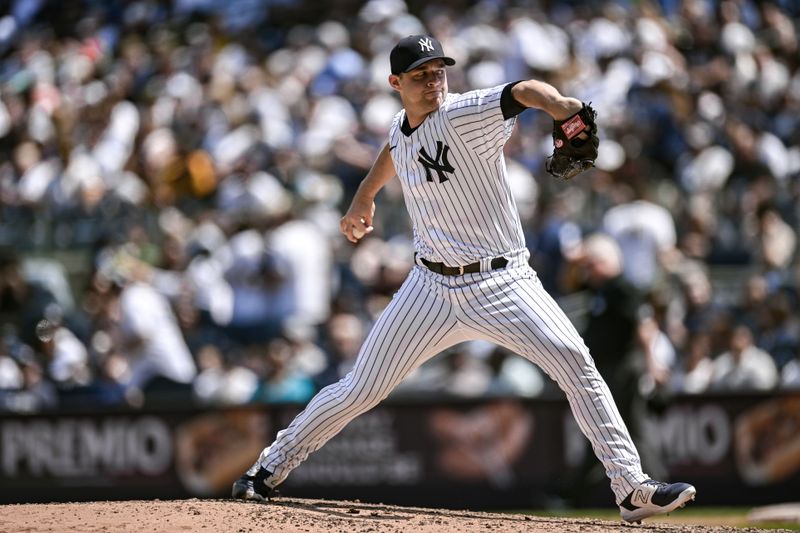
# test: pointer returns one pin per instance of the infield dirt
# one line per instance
(291, 515)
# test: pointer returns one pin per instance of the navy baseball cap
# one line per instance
(414, 50)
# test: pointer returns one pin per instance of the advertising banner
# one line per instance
(738, 450)
(498, 453)
(80, 457)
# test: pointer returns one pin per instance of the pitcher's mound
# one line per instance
(292, 515)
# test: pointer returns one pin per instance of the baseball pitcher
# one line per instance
(471, 278)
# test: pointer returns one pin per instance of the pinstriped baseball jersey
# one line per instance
(454, 179)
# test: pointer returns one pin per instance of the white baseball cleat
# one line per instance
(651, 498)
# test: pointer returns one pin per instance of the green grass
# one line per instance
(707, 516)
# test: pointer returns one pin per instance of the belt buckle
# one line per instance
(460, 270)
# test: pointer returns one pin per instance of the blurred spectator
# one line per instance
(659, 353)
(68, 359)
(222, 383)
(465, 376)
(702, 312)
(344, 334)
(10, 372)
(281, 383)
(777, 245)
(646, 234)
(790, 375)
(744, 367)
(696, 369)
(151, 341)
(35, 393)
(554, 244)
(22, 302)
(512, 375)
(309, 358)
(258, 289)
(780, 334)
(109, 389)
(752, 306)
(308, 257)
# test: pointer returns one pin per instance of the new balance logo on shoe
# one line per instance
(651, 498)
(640, 497)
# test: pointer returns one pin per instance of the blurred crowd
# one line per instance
(195, 157)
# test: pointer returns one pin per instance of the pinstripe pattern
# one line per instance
(512, 309)
(417, 324)
(507, 307)
(472, 215)
(468, 217)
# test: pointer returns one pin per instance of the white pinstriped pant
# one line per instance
(432, 312)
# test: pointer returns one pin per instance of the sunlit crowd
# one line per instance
(172, 175)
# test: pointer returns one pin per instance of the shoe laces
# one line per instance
(653, 482)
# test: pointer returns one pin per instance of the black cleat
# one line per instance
(651, 498)
(253, 488)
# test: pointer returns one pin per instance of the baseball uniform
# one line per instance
(471, 280)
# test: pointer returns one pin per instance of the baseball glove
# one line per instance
(572, 155)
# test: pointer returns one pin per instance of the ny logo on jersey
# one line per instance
(439, 163)
(425, 45)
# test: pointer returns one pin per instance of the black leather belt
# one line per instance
(441, 268)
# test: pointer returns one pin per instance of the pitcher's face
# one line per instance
(423, 89)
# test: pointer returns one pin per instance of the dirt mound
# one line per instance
(293, 515)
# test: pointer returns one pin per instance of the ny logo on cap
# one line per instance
(425, 45)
